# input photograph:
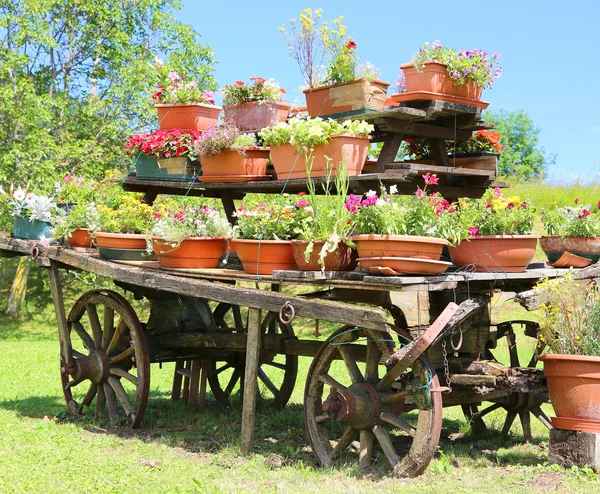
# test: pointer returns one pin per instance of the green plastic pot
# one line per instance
(31, 230)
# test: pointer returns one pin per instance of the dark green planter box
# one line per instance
(146, 167)
(31, 230)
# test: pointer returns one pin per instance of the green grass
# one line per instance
(542, 195)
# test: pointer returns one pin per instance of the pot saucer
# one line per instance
(574, 424)
(395, 266)
(430, 96)
(233, 178)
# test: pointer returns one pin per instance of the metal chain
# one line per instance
(446, 366)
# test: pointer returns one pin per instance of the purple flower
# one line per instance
(496, 55)
(466, 72)
(498, 72)
(457, 75)
(437, 46)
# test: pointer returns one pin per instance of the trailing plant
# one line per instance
(174, 227)
(572, 221)
(173, 88)
(164, 143)
(306, 133)
(227, 136)
(462, 66)
(280, 221)
(482, 141)
(83, 215)
(571, 316)
(260, 90)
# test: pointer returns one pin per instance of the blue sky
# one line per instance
(550, 55)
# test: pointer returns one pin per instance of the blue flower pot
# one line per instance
(31, 230)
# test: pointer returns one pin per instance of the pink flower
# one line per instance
(302, 203)
(584, 213)
(473, 231)
(30, 197)
(498, 192)
(576, 201)
(67, 179)
(209, 96)
(80, 181)
(430, 179)
(173, 76)
(598, 204)
(419, 193)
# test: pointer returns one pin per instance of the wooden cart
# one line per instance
(375, 379)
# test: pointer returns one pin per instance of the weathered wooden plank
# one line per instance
(472, 379)
(441, 170)
(420, 129)
(388, 151)
(66, 349)
(250, 379)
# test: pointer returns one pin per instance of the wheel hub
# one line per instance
(94, 367)
(359, 405)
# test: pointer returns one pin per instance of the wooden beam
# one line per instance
(250, 379)
(66, 349)
(388, 151)
(438, 149)
(440, 170)
(422, 129)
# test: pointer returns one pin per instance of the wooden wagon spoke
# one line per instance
(78, 354)
(223, 368)
(94, 324)
(351, 365)
(116, 338)
(510, 418)
(327, 379)
(232, 381)
(526, 424)
(111, 404)
(119, 390)
(372, 365)
(89, 396)
(344, 442)
(267, 382)
(398, 422)
(535, 357)
(117, 371)
(100, 402)
(393, 397)
(487, 410)
(277, 365)
(383, 437)
(109, 326)
(512, 349)
(122, 356)
(367, 439)
(321, 419)
(542, 417)
(86, 339)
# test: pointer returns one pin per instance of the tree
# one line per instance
(523, 157)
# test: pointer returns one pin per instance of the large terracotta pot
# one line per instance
(192, 253)
(80, 237)
(434, 78)
(410, 246)
(345, 97)
(197, 116)
(264, 256)
(555, 246)
(256, 115)
(120, 240)
(341, 259)
(574, 388)
(291, 163)
(245, 161)
(495, 253)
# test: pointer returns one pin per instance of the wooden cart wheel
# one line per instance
(277, 373)
(523, 405)
(348, 407)
(110, 358)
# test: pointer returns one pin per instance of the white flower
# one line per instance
(158, 62)
(19, 194)
(381, 202)
(394, 189)
(371, 193)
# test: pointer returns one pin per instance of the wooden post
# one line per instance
(574, 448)
(250, 388)
(66, 349)
(229, 207)
(389, 151)
(19, 288)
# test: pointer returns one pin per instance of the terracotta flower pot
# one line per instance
(192, 253)
(353, 96)
(245, 161)
(264, 256)
(120, 240)
(495, 253)
(80, 237)
(256, 115)
(341, 259)
(434, 78)
(291, 163)
(197, 116)
(555, 246)
(574, 388)
(399, 246)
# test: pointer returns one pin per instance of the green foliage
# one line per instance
(75, 78)
(523, 157)
(279, 221)
(574, 221)
(176, 226)
(259, 90)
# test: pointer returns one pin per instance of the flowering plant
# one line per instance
(260, 90)
(174, 227)
(572, 221)
(124, 213)
(30, 206)
(493, 214)
(167, 143)
(173, 88)
(216, 139)
(280, 221)
(305, 133)
(462, 66)
(81, 216)
(482, 141)
(385, 214)
(75, 189)
(571, 322)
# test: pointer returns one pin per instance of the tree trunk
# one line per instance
(19, 288)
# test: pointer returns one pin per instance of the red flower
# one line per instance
(157, 95)
(239, 83)
(576, 201)
(259, 80)
(584, 213)
(282, 90)
(473, 231)
(598, 204)
(157, 215)
(350, 46)
(430, 179)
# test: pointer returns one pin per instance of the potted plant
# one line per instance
(256, 105)
(33, 214)
(226, 153)
(345, 86)
(72, 190)
(190, 238)
(264, 234)
(573, 229)
(165, 154)
(181, 103)
(74, 226)
(303, 143)
(388, 227)
(492, 234)
(570, 330)
(324, 241)
(438, 69)
(480, 152)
